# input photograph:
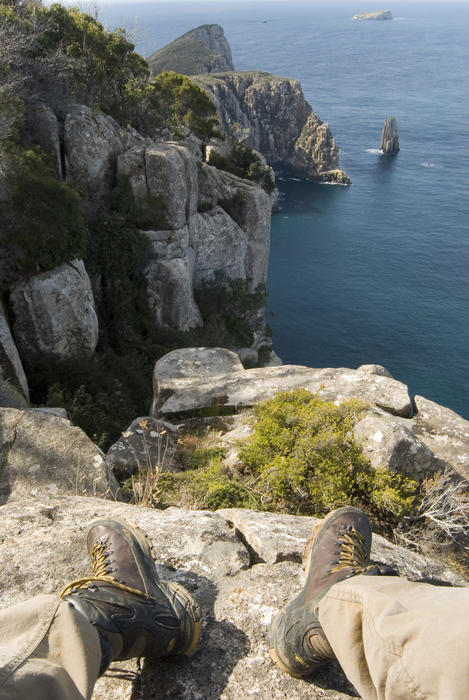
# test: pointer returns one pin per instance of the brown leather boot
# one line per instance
(132, 609)
(339, 548)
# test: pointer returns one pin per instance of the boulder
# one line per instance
(201, 50)
(92, 142)
(10, 361)
(239, 594)
(444, 432)
(147, 444)
(253, 385)
(9, 395)
(185, 367)
(42, 454)
(54, 314)
(163, 177)
(389, 443)
(390, 136)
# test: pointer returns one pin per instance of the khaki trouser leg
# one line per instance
(48, 651)
(398, 640)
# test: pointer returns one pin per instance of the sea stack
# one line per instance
(390, 136)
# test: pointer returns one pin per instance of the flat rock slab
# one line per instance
(275, 537)
(43, 547)
(444, 432)
(253, 385)
(185, 367)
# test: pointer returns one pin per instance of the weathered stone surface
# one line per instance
(54, 313)
(253, 385)
(92, 142)
(183, 368)
(390, 136)
(10, 361)
(275, 537)
(169, 276)
(42, 454)
(271, 115)
(389, 442)
(42, 127)
(147, 444)
(377, 15)
(10, 395)
(201, 50)
(238, 596)
(444, 432)
(219, 244)
(163, 177)
(250, 207)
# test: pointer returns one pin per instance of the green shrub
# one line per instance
(245, 163)
(303, 459)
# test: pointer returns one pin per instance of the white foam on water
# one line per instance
(428, 165)
(374, 151)
(295, 179)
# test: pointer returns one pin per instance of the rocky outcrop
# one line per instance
(201, 222)
(271, 115)
(92, 142)
(147, 444)
(390, 442)
(248, 387)
(10, 361)
(201, 50)
(54, 314)
(42, 128)
(377, 15)
(43, 455)
(241, 566)
(188, 366)
(390, 136)
(444, 432)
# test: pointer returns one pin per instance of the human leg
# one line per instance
(59, 648)
(397, 639)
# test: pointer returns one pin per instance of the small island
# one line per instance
(378, 14)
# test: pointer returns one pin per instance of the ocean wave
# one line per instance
(428, 165)
(374, 151)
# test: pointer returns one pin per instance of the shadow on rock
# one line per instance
(331, 677)
(205, 673)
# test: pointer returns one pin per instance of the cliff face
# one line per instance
(201, 223)
(271, 115)
(202, 50)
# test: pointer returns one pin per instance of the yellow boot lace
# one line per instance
(352, 553)
(100, 570)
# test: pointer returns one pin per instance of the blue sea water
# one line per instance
(376, 272)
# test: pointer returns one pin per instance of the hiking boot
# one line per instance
(339, 548)
(135, 612)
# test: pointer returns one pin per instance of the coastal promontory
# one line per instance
(377, 14)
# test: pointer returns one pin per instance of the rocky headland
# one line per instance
(266, 112)
(162, 232)
(375, 15)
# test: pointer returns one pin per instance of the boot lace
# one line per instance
(101, 571)
(352, 552)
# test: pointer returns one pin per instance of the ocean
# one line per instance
(376, 272)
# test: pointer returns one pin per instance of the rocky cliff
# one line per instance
(201, 50)
(271, 115)
(241, 565)
(264, 111)
(390, 136)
